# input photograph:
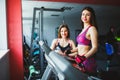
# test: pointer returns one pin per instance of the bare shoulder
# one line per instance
(92, 29)
(71, 42)
(55, 40)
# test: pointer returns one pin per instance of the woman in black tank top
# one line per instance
(63, 43)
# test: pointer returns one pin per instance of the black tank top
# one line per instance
(64, 48)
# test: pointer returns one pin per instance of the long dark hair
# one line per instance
(93, 16)
(63, 26)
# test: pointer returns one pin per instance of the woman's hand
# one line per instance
(68, 51)
(80, 59)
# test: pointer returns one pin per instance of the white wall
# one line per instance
(4, 59)
(3, 32)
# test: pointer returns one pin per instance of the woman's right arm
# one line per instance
(53, 45)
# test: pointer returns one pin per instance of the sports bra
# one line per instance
(59, 47)
(64, 48)
(82, 40)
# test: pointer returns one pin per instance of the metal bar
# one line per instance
(33, 26)
(49, 9)
(47, 73)
(41, 38)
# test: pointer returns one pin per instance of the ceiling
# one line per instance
(103, 8)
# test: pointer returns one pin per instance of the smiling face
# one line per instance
(85, 17)
(64, 32)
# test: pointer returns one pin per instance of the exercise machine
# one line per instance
(61, 67)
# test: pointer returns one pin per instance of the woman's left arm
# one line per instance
(74, 49)
(94, 42)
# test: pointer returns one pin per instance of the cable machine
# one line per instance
(62, 68)
(39, 33)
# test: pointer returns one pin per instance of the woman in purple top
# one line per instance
(87, 41)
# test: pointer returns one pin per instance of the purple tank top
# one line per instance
(82, 40)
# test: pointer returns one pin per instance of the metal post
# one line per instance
(41, 38)
(32, 34)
